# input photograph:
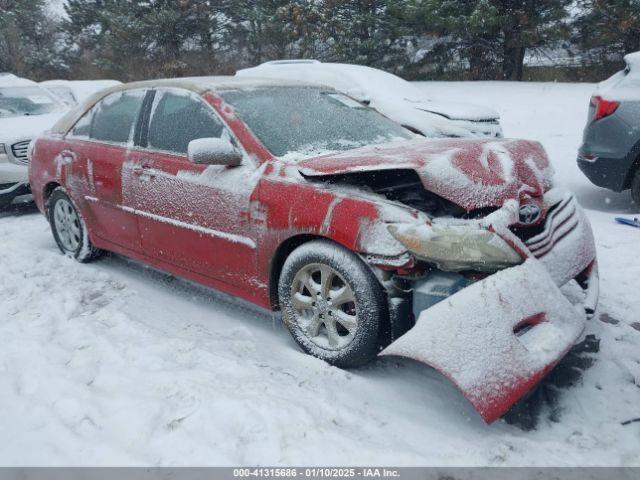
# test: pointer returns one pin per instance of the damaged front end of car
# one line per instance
(480, 300)
(478, 247)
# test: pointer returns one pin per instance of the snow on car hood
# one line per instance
(473, 173)
(456, 110)
(26, 127)
(416, 116)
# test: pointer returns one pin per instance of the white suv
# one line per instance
(26, 110)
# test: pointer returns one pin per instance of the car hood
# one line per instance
(455, 110)
(26, 127)
(473, 173)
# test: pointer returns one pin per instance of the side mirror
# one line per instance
(214, 151)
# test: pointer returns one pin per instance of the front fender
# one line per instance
(355, 221)
(497, 338)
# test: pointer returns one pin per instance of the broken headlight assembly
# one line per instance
(456, 248)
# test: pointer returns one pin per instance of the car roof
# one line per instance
(203, 84)
(342, 76)
(198, 85)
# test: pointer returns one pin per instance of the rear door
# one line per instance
(99, 144)
(192, 216)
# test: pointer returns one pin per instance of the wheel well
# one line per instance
(635, 166)
(282, 252)
(280, 256)
(48, 190)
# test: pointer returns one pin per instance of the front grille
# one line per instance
(19, 151)
(527, 232)
(560, 221)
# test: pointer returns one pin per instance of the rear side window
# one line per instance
(82, 128)
(114, 119)
(179, 118)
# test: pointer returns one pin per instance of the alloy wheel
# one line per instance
(325, 306)
(67, 225)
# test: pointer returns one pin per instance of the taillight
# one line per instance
(604, 108)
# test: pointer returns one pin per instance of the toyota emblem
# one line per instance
(529, 214)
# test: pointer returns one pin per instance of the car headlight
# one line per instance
(3, 154)
(456, 248)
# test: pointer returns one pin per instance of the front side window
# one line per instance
(301, 121)
(179, 117)
(19, 101)
(115, 117)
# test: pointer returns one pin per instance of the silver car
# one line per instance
(610, 152)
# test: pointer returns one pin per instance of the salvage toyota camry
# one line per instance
(370, 240)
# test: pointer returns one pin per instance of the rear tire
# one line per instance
(68, 228)
(332, 303)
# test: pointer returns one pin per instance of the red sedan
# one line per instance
(300, 199)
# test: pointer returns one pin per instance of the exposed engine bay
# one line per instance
(403, 186)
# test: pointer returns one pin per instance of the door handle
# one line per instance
(143, 171)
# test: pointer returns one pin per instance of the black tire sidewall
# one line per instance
(635, 188)
(81, 254)
(370, 301)
(5, 203)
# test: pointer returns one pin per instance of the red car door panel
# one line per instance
(193, 216)
(112, 220)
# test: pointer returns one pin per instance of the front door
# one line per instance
(192, 216)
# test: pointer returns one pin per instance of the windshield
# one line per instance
(63, 93)
(301, 121)
(18, 101)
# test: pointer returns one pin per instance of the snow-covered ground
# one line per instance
(115, 364)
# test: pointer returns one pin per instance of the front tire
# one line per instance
(5, 202)
(635, 187)
(332, 303)
(68, 228)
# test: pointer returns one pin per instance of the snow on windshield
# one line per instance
(19, 101)
(304, 119)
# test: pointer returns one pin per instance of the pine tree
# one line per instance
(261, 30)
(607, 30)
(29, 40)
(133, 39)
(105, 38)
(492, 37)
(369, 32)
